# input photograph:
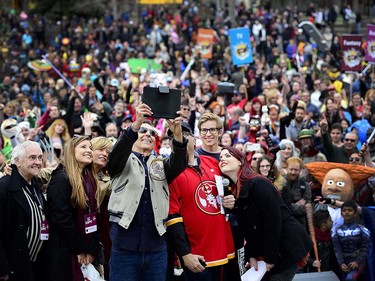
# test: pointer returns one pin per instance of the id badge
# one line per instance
(44, 230)
(90, 223)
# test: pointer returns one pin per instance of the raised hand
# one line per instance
(48, 148)
(324, 124)
(87, 120)
(175, 126)
(34, 131)
(141, 111)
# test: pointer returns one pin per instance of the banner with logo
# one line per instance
(204, 41)
(240, 46)
(370, 43)
(351, 48)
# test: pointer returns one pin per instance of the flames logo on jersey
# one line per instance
(352, 58)
(371, 48)
(206, 197)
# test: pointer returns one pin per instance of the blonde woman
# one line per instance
(72, 196)
(101, 148)
(58, 132)
(283, 155)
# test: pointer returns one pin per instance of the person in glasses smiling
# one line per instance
(334, 153)
(210, 127)
(139, 203)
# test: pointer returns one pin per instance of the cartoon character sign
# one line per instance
(207, 198)
(205, 48)
(371, 48)
(352, 49)
(242, 50)
(204, 42)
(352, 58)
(370, 43)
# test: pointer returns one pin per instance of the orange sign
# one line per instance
(204, 42)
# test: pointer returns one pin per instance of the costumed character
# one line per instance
(9, 130)
(338, 183)
(254, 127)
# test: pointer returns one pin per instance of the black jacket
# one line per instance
(268, 226)
(15, 216)
(65, 240)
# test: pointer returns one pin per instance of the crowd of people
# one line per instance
(88, 177)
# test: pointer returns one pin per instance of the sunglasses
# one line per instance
(354, 159)
(350, 140)
(144, 130)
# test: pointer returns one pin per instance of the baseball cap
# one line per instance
(128, 117)
(305, 133)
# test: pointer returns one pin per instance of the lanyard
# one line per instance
(87, 190)
(34, 196)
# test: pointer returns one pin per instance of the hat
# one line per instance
(185, 128)
(24, 125)
(324, 64)
(330, 88)
(86, 70)
(305, 133)
(114, 83)
(128, 117)
(235, 92)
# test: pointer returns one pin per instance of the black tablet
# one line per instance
(164, 102)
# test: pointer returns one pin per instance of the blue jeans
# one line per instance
(136, 265)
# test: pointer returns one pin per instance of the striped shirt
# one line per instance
(33, 231)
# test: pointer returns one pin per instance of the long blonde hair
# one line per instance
(64, 135)
(71, 167)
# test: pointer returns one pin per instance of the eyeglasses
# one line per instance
(185, 108)
(204, 131)
(143, 130)
(350, 140)
(354, 159)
